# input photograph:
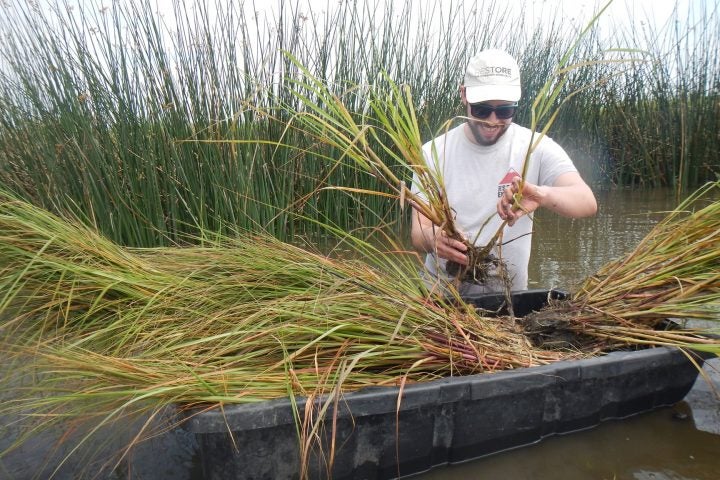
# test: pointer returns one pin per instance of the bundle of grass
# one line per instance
(671, 274)
(96, 333)
(93, 331)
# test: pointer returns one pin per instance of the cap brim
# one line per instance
(484, 93)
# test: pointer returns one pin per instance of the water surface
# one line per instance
(565, 251)
(660, 445)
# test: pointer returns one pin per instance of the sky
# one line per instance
(581, 11)
(573, 12)
(635, 14)
(645, 15)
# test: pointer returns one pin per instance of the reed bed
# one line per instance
(663, 155)
(104, 112)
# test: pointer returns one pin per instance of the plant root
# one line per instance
(481, 265)
(553, 328)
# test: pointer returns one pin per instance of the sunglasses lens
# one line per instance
(505, 112)
(480, 111)
(502, 112)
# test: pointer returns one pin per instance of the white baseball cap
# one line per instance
(492, 75)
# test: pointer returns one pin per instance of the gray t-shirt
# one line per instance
(475, 176)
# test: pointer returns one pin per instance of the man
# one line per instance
(481, 162)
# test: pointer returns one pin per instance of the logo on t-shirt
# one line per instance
(507, 181)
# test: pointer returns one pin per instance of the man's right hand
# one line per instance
(428, 237)
(437, 241)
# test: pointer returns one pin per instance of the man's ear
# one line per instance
(462, 95)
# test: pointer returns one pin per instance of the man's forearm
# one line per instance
(575, 201)
(423, 238)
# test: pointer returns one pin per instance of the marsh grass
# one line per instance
(677, 92)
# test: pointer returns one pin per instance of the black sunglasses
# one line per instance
(483, 110)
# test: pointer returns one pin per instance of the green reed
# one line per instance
(653, 124)
(114, 113)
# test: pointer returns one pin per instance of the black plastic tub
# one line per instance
(444, 421)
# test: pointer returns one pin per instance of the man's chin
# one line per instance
(487, 134)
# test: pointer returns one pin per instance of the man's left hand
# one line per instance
(517, 201)
(568, 196)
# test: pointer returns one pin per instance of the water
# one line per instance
(565, 251)
(661, 445)
(679, 443)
